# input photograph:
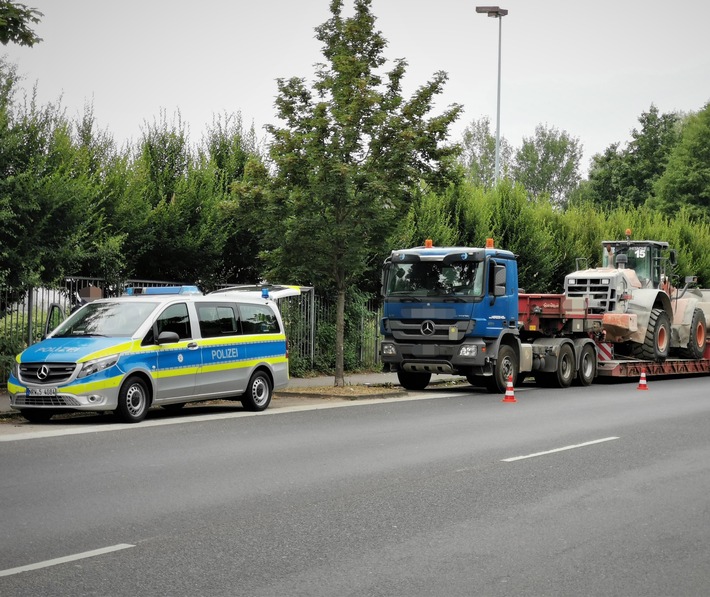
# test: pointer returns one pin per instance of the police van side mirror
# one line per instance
(168, 338)
(55, 316)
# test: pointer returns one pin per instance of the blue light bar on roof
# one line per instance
(153, 290)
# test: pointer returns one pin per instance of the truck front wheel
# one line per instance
(505, 367)
(413, 380)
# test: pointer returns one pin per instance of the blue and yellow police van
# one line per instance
(162, 347)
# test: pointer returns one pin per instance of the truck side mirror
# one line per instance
(499, 283)
(383, 278)
(673, 257)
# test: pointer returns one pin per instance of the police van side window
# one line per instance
(217, 320)
(258, 319)
(174, 318)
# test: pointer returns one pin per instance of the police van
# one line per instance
(161, 347)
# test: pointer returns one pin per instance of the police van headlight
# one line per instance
(91, 367)
(468, 350)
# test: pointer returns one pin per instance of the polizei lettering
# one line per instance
(224, 353)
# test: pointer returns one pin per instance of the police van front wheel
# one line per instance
(258, 394)
(133, 400)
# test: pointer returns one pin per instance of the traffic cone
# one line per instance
(642, 382)
(509, 393)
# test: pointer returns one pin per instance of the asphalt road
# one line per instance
(424, 496)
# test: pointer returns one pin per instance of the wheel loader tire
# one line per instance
(696, 342)
(657, 343)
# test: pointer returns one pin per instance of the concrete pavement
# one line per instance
(373, 379)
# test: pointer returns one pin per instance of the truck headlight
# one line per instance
(468, 350)
(91, 367)
(389, 350)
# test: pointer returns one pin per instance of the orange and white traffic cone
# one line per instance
(642, 381)
(509, 392)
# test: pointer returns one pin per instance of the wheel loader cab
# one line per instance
(644, 257)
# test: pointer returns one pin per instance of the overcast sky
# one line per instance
(588, 67)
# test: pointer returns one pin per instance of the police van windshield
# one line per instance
(434, 278)
(115, 319)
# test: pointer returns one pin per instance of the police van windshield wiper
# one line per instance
(85, 333)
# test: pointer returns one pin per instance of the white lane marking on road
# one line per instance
(596, 441)
(65, 559)
(204, 417)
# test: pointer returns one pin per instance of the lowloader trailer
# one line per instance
(458, 310)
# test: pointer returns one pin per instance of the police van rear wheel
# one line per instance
(133, 400)
(258, 394)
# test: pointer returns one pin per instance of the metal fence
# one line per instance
(309, 321)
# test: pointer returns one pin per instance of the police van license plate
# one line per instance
(41, 392)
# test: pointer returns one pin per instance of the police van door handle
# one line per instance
(192, 346)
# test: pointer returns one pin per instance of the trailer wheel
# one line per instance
(657, 343)
(696, 342)
(506, 365)
(413, 380)
(587, 365)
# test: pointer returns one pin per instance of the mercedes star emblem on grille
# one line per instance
(428, 328)
(43, 372)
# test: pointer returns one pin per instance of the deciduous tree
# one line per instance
(548, 164)
(350, 158)
(479, 153)
(685, 181)
(15, 24)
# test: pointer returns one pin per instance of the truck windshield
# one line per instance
(106, 319)
(434, 278)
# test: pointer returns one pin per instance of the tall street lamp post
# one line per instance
(497, 13)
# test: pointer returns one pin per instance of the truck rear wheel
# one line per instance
(505, 367)
(565, 367)
(696, 341)
(413, 380)
(564, 375)
(587, 365)
(657, 342)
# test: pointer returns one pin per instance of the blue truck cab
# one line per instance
(450, 310)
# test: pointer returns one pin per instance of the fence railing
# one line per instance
(309, 321)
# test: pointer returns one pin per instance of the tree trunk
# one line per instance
(340, 340)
